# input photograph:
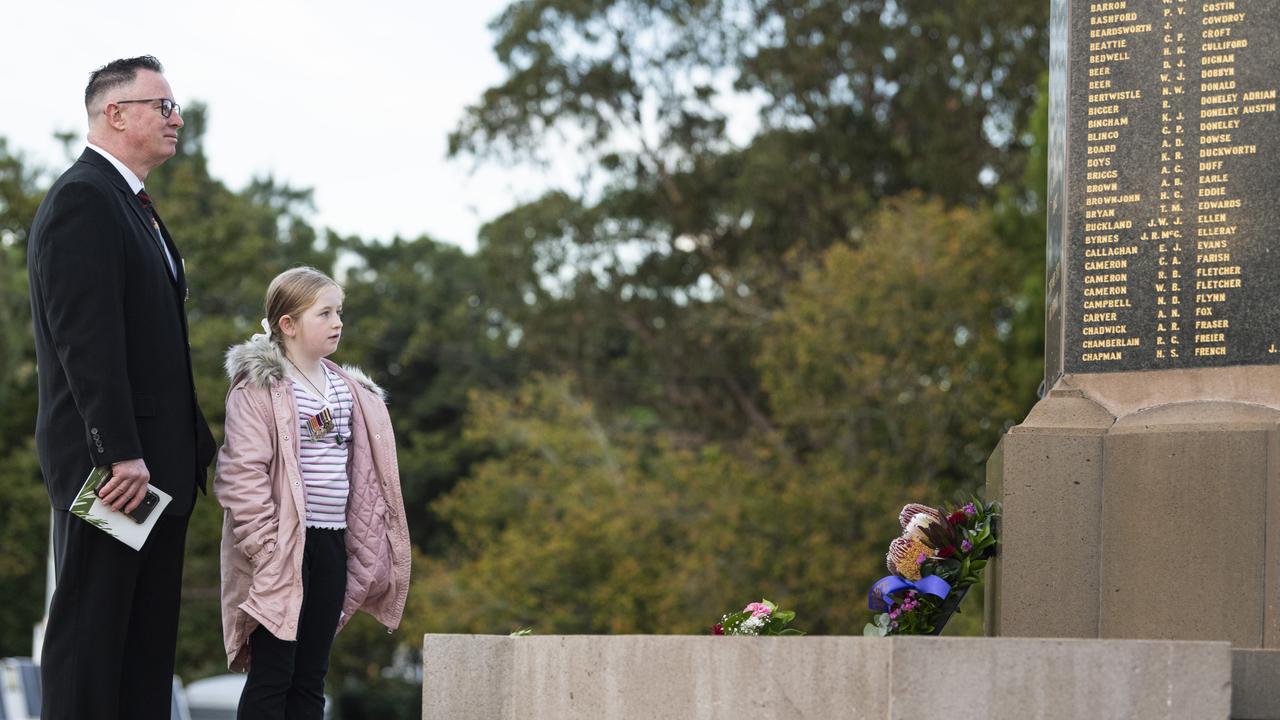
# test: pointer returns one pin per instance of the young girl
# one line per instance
(314, 527)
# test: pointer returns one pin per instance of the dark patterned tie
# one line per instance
(150, 207)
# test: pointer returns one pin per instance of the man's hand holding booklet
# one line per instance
(131, 529)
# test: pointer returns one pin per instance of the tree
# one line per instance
(888, 389)
(419, 317)
(893, 355)
(772, 345)
(672, 255)
(573, 526)
(582, 524)
(24, 505)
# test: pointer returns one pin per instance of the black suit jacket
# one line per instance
(112, 353)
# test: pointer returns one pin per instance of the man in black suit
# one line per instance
(116, 388)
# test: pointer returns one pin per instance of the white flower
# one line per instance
(917, 524)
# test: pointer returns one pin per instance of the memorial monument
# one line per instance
(1142, 493)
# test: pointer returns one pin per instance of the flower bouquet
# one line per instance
(939, 556)
(757, 618)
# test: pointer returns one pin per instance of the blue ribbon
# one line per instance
(880, 597)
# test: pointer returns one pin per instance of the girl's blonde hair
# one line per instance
(292, 292)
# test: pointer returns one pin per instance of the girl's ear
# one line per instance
(288, 326)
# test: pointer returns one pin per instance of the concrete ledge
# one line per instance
(1254, 692)
(584, 677)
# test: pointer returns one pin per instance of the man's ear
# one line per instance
(115, 116)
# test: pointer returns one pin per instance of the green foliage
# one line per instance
(575, 526)
(24, 505)
(418, 313)
(654, 282)
(893, 355)
(570, 528)
(700, 295)
(379, 699)
(24, 534)
(857, 89)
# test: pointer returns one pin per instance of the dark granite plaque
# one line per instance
(1167, 246)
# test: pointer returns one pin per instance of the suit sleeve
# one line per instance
(242, 481)
(81, 268)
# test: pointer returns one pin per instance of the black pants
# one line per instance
(286, 679)
(113, 622)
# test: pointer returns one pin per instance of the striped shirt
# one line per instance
(324, 461)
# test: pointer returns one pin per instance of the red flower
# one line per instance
(956, 517)
(947, 551)
(717, 629)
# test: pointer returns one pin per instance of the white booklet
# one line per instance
(113, 522)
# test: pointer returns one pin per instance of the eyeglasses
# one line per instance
(167, 106)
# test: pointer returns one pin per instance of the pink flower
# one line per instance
(921, 558)
(966, 546)
(758, 610)
(969, 509)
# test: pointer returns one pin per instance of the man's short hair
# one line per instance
(117, 73)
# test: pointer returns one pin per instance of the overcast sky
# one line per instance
(352, 99)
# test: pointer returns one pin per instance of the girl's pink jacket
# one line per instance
(259, 484)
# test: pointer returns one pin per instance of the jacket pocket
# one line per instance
(270, 577)
(144, 406)
(263, 555)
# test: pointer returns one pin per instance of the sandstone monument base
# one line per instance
(810, 678)
(1146, 505)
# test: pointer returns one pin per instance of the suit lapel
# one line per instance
(179, 264)
(155, 230)
(158, 240)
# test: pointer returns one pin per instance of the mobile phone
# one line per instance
(140, 513)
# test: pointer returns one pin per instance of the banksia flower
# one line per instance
(911, 510)
(903, 555)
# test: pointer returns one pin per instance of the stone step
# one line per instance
(583, 677)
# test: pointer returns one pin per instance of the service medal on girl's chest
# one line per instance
(320, 424)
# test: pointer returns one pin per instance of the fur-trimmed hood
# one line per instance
(259, 362)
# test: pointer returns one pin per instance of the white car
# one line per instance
(19, 689)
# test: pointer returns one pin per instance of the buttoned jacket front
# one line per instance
(112, 349)
(259, 484)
